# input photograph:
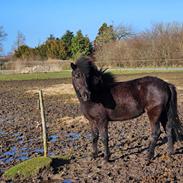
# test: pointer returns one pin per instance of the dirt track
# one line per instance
(69, 133)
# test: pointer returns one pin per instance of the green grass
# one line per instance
(28, 168)
(142, 71)
(67, 74)
(32, 167)
(36, 76)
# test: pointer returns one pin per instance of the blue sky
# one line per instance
(37, 19)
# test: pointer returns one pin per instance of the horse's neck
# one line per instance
(100, 90)
(101, 94)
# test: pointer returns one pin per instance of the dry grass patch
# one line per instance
(70, 120)
(59, 89)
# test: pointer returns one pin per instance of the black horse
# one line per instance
(103, 100)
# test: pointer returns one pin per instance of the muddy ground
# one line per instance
(69, 133)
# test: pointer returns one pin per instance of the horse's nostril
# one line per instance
(86, 96)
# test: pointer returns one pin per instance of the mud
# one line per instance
(69, 133)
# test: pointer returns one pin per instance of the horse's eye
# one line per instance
(78, 75)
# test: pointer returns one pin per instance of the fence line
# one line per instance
(156, 62)
(180, 60)
(58, 65)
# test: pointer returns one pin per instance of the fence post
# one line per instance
(41, 103)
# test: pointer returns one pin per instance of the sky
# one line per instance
(37, 19)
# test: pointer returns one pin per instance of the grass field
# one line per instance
(67, 74)
(35, 76)
(69, 134)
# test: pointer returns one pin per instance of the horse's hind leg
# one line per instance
(169, 131)
(164, 119)
(154, 115)
(167, 125)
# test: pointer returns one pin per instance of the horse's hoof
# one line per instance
(94, 155)
(106, 158)
(170, 153)
(150, 156)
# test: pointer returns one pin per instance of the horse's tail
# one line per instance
(173, 118)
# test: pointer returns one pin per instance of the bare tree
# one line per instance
(20, 40)
(2, 37)
(123, 31)
(161, 45)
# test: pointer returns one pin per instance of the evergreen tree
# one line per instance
(67, 47)
(51, 37)
(41, 52)
(24, 53)
(51, 47)
(105, 35)
(62, 50)
(67, 39)
(81, 45)
(56, 48)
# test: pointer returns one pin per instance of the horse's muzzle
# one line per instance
(85, 96)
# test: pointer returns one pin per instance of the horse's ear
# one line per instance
(73, 66)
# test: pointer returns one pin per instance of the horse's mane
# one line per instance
(87, 66)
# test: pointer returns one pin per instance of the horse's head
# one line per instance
(87, 79)
(80, 83)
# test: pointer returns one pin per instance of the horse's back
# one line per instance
(142, 86)
(155, 91)
(135, 96)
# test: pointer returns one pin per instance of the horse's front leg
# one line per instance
(95, 137)
(103, 129)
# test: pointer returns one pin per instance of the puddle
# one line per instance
(22, 158)
(23, 153)
(24, 149)
(2, 133)
(88, 136)
(51, 154)
(14, 153)
(67, 181)
(8, 160)
(39, 151)
(11, 152)
(19, 137)
(53, 138)
(52, 181)
(70, 136)
(73, 136)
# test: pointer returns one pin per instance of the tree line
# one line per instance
(162, 44)
(68, 46)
